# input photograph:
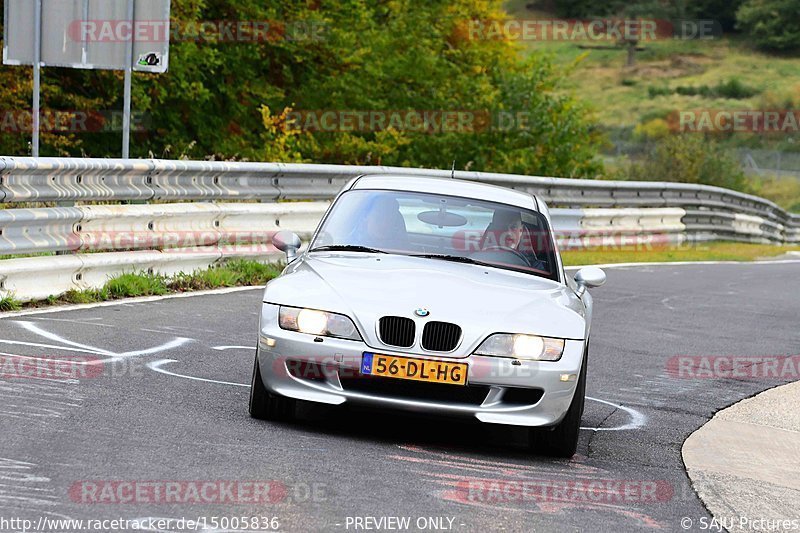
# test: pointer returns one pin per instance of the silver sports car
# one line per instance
(430, 295)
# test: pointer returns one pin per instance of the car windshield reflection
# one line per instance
(439, 227)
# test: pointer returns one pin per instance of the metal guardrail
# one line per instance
(169, 237)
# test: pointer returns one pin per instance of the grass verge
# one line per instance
(712, 251)
(235, 273)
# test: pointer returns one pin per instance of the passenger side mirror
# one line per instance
(589, 277)
(287, 242)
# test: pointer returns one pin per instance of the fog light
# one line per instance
(569, 377)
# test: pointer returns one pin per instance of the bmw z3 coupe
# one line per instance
(430, 295)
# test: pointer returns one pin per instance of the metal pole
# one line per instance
(37, 67)
(126, 112)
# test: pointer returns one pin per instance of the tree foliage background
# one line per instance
(230, 100)
(770, 25)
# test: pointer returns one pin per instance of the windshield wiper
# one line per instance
(453, 258)
(347, 248)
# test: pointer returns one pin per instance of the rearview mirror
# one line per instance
(287, 242)
(589, 277)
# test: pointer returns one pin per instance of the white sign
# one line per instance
(90, 34)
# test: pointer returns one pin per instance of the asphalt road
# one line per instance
(148, 415)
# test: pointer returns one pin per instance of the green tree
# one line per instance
(690, 158)
(772, 25)
(721, 11)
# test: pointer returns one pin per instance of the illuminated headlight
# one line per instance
(319, 323)
(531, 347)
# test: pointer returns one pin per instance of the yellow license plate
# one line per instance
(391, 366)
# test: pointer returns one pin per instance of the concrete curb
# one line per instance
(744, 463)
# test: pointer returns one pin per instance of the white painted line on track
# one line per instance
(48, 346)
(637, 419)
(83, 348)
(33, 328)
(224, 348)
(174, 343)
(156, 366)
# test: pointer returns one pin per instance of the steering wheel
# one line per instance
(514, 251)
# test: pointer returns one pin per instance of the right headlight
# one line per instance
(528, 347)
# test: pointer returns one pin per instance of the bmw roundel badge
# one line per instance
(422, 312)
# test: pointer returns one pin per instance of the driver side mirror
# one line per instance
(287, 242)
(589, 277)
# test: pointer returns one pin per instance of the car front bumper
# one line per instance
(297, 366)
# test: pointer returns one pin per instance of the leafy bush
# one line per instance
(654, 91)
(654, 129)
(772, 25)
(720, 11)
(733, 89)
(690, 158)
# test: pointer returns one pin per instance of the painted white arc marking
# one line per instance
(33, 328)
(178, 341)
(637, 419)
(156, 366)
(50, 346)
(223, 348)
(110, 356)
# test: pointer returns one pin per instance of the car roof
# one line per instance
(451, 187)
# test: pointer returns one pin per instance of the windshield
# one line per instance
(440, 227)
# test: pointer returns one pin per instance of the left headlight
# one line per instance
(531, 347)
(319, 323)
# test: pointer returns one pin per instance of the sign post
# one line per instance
(87, 34)
(37, 73)
(126, 111)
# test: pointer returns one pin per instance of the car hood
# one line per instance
(481, 300)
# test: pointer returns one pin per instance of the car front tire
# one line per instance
(265, 405)
(562, 440)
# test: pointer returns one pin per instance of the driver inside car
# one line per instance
(507, 232)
